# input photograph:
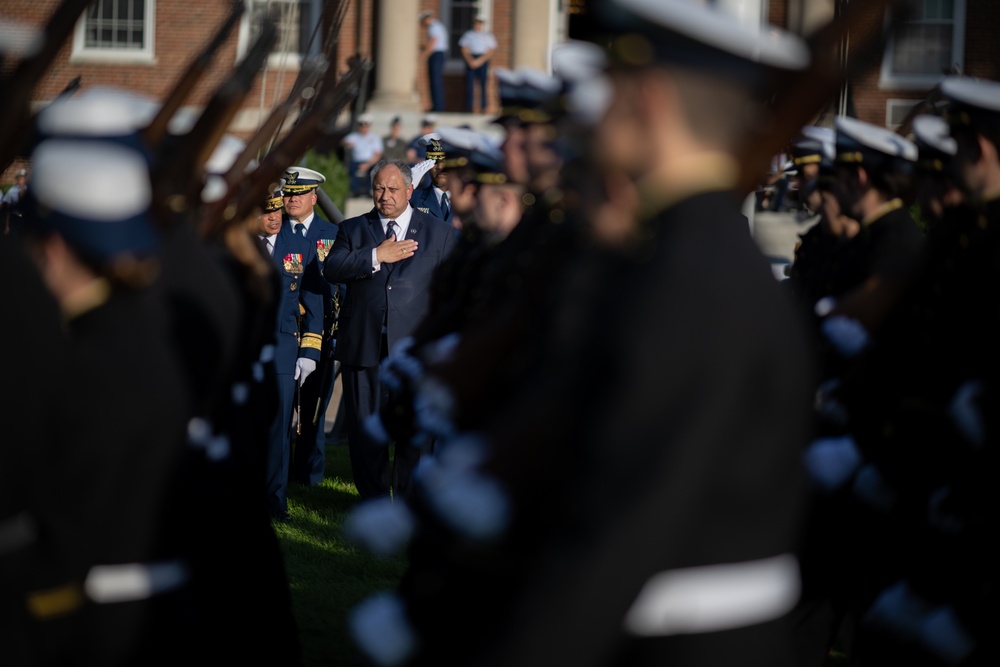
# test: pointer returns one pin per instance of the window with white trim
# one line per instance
(297, 35)
(896, 112)
(115, 30)
(926, 46)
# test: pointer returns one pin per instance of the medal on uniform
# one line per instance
(323, 248)
(423, 210)
(293, 262)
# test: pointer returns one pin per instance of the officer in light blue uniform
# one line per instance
(298, 342)
(300, 198)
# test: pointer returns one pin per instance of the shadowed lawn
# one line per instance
(327, 574)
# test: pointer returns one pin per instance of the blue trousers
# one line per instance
(471, 76)
(279, 445)
(435, 74)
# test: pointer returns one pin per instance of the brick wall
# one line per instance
(982, 59)
(182, 29)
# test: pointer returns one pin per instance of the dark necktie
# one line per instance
(300, 229)
(264, 244)
(390, 229)
(444, 205)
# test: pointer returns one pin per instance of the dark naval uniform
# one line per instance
(425, 199)
(299, 334)
(309, 458)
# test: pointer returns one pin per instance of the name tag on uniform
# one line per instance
(293, 262)
(323, 248)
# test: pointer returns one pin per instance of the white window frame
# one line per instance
(894, 103)
(891, 81)
(457, 65)
(278, 59)
(80, 53)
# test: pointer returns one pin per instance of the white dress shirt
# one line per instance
(402, 226)
(270, 244)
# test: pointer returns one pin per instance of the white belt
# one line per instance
(107, 584)
(715, 597)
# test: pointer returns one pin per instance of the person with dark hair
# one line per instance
(386, 258)
(874, 168)
(909, 473)
(393, 145)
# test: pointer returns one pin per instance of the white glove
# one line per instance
(303, 367)
(847, 335)
(830, 462)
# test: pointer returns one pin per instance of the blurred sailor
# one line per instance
(707, 417)
(90, 232)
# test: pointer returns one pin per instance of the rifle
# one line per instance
(311, 87)
(15, 114)
(312, 125)
(798, 97)
(157, 128)
(173, 184)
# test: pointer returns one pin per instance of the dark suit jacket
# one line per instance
(296, 288)
(425, 200)
(402, 289)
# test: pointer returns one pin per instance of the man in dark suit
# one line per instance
(386, 258)
(300, 197)
(298, 341)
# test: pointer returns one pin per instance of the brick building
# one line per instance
(938, 36)
(144, 45)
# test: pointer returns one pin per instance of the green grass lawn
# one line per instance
(327, 575)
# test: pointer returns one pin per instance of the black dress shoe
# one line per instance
(281, 516)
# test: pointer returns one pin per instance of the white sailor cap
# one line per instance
(98, 111)
(575, 61)
(971, 102)
(366, 119)
(813, 145)
(18, 38)
(859, 142)
(299, 180)
(96, 194)
(696, 36)
(474, 151)
(225, 154)
(935, 146)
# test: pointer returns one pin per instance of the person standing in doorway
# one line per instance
(435, 50)
(477, 48)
